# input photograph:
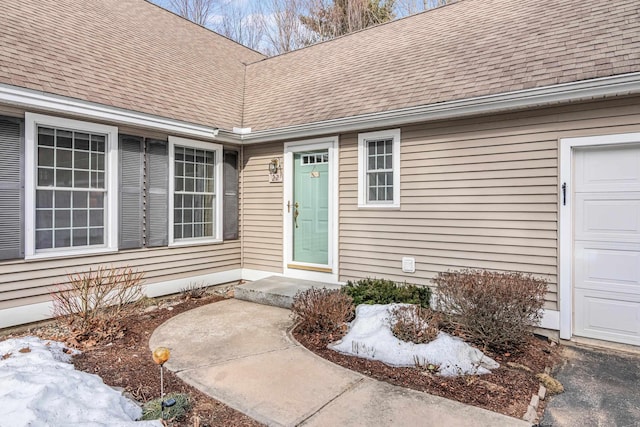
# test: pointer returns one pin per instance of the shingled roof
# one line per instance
(134, 55)
(467, 49)
(124, 53)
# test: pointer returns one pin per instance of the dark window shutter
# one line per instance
(230, 201)
(11, 188)
(131, 191)
(157, 231)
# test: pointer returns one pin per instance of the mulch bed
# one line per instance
(126, 362)
(506, 390)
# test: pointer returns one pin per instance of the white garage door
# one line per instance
(607, 243)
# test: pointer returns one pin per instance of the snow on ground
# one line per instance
(39, 387)
(370, 337)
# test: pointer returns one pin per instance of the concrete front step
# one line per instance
(276, 290)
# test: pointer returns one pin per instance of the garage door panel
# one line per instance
(607, 243)
(605, 268)
(608, 217)
(608, 316)
(608, 169)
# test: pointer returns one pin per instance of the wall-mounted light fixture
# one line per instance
(275, 170)
(274, 166)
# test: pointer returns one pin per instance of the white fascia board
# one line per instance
(229, 137)
(621, 85)
(31, 99)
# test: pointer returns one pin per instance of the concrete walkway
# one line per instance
(241, 354)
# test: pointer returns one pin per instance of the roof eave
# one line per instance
(52, 103)
(604, 87)
(584, 90)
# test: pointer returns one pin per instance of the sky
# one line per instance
(250, 12)
(254, 4)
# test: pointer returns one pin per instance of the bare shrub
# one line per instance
(322, 310)
(94, 302)
(412, 323)
(193, 291)
(496, 310)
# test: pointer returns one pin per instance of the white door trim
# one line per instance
(565, 234)
(331, 144)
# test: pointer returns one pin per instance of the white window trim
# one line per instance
(217, 148)
(362, 169)
(32, 121)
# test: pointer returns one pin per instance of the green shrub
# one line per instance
(152, 410)
(382, 291)
(493, 309)
(322, 310)
(412, 323)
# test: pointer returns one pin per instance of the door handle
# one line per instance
(295, 214)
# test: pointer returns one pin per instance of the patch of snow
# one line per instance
(38, 386)
(370, 337)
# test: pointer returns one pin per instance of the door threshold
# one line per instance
(310, 268)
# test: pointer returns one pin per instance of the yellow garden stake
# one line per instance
(160, 356)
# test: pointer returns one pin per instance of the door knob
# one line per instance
(295, 214)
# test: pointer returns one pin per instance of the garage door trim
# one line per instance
(566, 211)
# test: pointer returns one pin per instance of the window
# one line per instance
(314, 158)
(196, 187)
(70, 183)
(379, 169)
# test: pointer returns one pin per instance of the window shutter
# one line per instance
(157, 232)
(11, 188)
(230, 202)
(131, 191)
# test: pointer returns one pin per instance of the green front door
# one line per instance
(311, 207)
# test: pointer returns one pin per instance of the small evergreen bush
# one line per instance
(152, 410)
(382, 291)
(322, 310)
(493, 309)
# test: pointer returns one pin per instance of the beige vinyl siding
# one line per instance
(480, 193)
(29, 282)
(261, 207)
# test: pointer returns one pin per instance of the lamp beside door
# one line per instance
(275, 170)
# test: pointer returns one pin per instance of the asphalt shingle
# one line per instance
(467, 49)
(126, 53)
(134, 55)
